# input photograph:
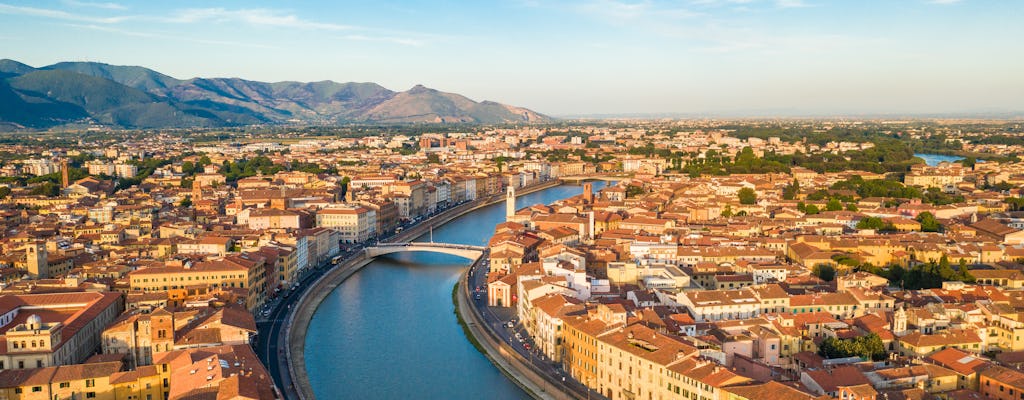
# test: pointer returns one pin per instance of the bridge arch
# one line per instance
(459, 250)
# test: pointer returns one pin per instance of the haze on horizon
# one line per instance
(570, 57)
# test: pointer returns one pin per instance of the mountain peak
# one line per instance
(419, 89)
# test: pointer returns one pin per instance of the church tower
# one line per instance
(35, 260)
(899, 322)
(510, 203)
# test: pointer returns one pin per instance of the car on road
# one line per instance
(526, 346)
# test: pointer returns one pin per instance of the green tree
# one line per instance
(790, 191)
(872, 223)
(186, 202)
(928, 222)
(727, 211)
(4, 192)
(834, 205)
(868, 347)
(824, 272)
(852, 207)
(433, 158)
(811, 209)
(48, 189)
(634, 191)
(747, 196)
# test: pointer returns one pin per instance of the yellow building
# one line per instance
(246, 271)
(45, 330)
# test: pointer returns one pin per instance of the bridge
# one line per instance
(608, 177)
(460, 250)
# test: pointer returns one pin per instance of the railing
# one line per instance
(431, 244)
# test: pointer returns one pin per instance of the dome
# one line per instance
(34, 320)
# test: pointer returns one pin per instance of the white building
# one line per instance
(353, 223)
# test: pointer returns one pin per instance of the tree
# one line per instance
(4, 192)
(790, 191)
(851, 207)
(727, 211)
(811, 209)
(186, 202)
(868, 347)
(433, 158)
(928, 222)
(834, 205)
(48, 189)
(872, 223)
(634, 191)
(344, 186)
(824, 272)
(747, 196)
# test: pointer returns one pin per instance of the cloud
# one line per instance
(944, 1)
(105, 6)
(622, 12)
(790, 4)
(256, 17)
(154, 35)
(57, 14)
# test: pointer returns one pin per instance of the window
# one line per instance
(90, 395)
(90, 383)
(37, 389)
(64, 385)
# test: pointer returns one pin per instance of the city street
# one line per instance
(497, 319)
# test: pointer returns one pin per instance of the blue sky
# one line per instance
(568, 57)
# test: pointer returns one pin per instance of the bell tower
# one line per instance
(35, 260)
(510, 203)
(899, 322)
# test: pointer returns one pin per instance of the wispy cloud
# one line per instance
(624, 12)
(154, 35)
(105, 6)
(255, 16)
(258, 18)
(58, 14)
(791, 4)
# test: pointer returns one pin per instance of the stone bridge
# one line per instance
(460, 250)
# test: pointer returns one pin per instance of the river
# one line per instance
(935, 159)
(390, 332)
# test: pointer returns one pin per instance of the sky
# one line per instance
(569, 57)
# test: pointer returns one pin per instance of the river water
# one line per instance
(935, 159)
(390, 332)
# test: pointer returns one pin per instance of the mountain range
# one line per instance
(137, 97)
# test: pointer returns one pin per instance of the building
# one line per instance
(141, 335)
(243, 271)
(45, 330)
(354, 224)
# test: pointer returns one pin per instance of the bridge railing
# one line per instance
(431, 244)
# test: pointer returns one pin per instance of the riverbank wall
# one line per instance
(506, 359)
(305, 308)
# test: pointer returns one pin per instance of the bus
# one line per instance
(336, 260)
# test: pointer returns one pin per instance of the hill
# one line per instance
(138, 97)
